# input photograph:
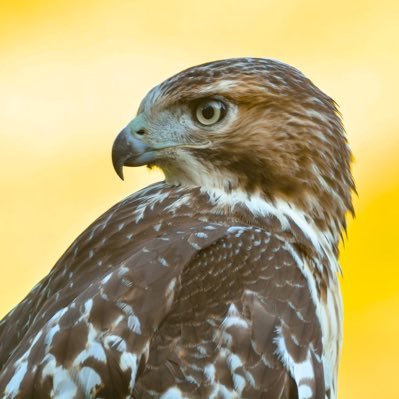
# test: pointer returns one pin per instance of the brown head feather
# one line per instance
(286, 142)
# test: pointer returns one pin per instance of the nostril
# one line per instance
(141, 132)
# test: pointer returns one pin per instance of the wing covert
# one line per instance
(243, 323)
(95, 339)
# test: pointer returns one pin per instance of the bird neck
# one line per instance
(256, 206)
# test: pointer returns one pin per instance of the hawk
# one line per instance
(222, 280)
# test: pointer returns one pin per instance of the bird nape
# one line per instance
(219, 282)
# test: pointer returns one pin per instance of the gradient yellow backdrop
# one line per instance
(72, 74)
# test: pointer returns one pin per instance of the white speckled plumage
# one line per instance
(220, 282)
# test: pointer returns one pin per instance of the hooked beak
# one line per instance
(128, 150)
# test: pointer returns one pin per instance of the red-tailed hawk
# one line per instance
(221, 281)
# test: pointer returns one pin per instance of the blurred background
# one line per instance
(73, 73)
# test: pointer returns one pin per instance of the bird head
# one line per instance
(257, 126)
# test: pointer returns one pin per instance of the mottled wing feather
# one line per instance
(104, 244)
(151, 300)
(15, 324)
(91, 336)
(243, 323)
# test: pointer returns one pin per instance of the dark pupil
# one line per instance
(208, 112)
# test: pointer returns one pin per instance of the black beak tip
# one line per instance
(118, 166)
(129, 151)
(120, 173)
(117, 159)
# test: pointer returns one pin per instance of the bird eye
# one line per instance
(210, 112)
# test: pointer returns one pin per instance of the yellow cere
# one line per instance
(73, 74)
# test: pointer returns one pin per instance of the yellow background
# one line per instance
(72, 74)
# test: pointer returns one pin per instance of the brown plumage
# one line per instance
(220, 281)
